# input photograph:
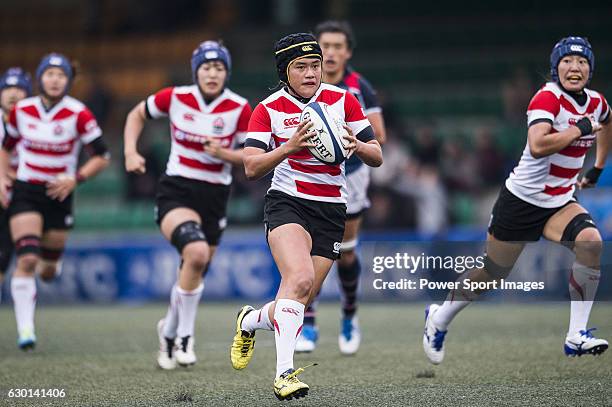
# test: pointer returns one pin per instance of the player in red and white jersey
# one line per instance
(208, 126)
(275, 120)
(15, 85)
(564, 119)
(551, 182)
(337, 43)
(49, 131)
(305, 207)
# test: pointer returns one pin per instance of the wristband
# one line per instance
(593, 175)
(585, 126)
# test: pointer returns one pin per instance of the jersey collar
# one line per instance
(298, 101)
(208, 107)
(572, 100)
(42, 110)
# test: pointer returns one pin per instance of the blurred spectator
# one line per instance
(516, 94)
(414, 193)
(490, 161)
(459, 168)
(425, 186)
(99, 100)
(426, 147)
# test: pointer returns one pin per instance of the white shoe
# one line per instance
(307, 341)
(165, 356)
(584, 343)
(433, 338)
(27, 340)
(185, 356)
(350, 336)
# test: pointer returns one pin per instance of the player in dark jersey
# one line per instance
(15, 84)
(337, 43)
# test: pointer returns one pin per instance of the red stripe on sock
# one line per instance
(276, 326)
(576, 286)
(299, 330)
(259, 317)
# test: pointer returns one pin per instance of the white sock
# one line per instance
(582, 288)
(171, 320)
(187, 309)
(448, 310)
(23, 290)
(258, 319)
(288, 321)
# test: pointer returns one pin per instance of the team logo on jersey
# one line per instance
(58, 130)
(291, 122)
(189, 117)
(31, 126)
(307, 48)
(218, 125)
(572, 121)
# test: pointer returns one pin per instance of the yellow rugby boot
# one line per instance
(243, 344)
(287, 386)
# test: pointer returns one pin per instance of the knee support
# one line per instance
(574, 227)
(29, 244)
(495, 270)
(186, 233)
(51, 255)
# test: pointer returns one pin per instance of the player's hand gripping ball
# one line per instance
(330, 146)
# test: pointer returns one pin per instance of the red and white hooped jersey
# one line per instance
(14, 159)
(275, 120)
(549, 182)
(193, 122)
(48, 142)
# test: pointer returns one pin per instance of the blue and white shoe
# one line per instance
(26, 340)
(584, 343)
(433, 338)
(307, 341)
(350, 336)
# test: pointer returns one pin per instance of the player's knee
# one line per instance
(27, 262)
(48, 270)
(580, 229)
(27, 246)
(186, 234)
(495, 271)
(195, 256)
(302, 285)
(589, 244)
(49, 265)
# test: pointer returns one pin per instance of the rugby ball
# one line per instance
(329, 145)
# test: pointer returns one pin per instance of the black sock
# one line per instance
(310, 313)
(349, 282)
